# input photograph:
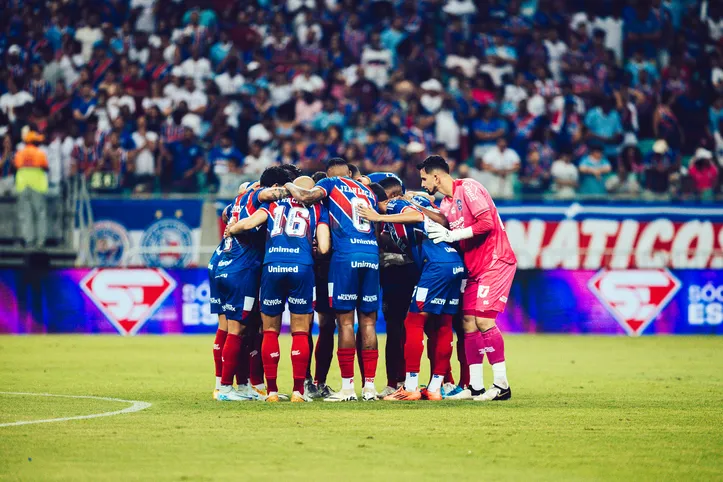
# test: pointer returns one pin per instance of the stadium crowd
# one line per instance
(555, 97)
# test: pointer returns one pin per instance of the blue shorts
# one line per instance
(321, 288)
(214, 298)
(439, 289)
(237, 291)
(354, 282)
(282, 282)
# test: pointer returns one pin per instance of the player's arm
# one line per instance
(483, 222)
(255, 220)
(271, 194)
(305, 196)
(323, 239)
(407, 216)
(432, 214)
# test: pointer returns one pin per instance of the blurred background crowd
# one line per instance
(559, 98)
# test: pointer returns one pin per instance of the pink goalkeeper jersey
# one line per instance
(471, 201)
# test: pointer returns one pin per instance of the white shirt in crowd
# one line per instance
(59, 161)
(563, 171)
(255, 166)
(559, 102)
(87, 37)
(303, 29)
(258, 132)
(446, 129)
(196, 99)
(8, 102)
(199, 69)
(459, 7)
(146, 21)
(173, 92)
(515, 93)
(169, 54)
(468, 65)
(139, 55)
(497, 159)
(377, 64)
(280, 93)
(716, 76)
(116, 102)
(311, 83)
(164, 104)
(228, 84)
(145, 160)
(555, 51)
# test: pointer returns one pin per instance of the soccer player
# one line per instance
(436, 296)
(237, 276)
(287, 276)
(491, 264)
(354, 272)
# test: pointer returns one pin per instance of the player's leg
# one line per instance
(270, 353)
(491, 300)
(300, 299)
(473, 342)
(367, 312)
(324, 353)
(222, 330)
(343, 284)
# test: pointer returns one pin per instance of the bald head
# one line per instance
(304, 182)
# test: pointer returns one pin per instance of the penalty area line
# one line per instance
(136, 406)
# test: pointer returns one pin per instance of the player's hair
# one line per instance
(274, 175)
(293, 171)
(336, 161)
(433, 163)
(318, 176)
(391, 183)
(379, 192)
(354, 171)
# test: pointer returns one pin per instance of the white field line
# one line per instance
(135, 407)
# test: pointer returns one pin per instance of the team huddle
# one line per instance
(343, 244)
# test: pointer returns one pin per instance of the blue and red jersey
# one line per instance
(412, 239)
(378, 176)
(245, 250)
(350, 233)
(290, 231)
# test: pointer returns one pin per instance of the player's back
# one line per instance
(245, 250)
(350, 233)
(412, 239)
(291, 229)
(378, 176)
(470, 200)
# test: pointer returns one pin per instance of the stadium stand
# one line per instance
(559, 98)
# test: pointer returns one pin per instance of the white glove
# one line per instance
(440, 234)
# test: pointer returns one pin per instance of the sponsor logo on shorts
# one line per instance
(450, 250)
(297, 301)
(222, 275)
(221, 264)
(272, 302)
(371, 242)
(370, 299)
(214, 301)
(283, 269)
(483, 291)
(279, 249)
(457, 270)
(454, 302)
(364, 264)
(210, 266)
(228, 307)
(437, 301)
(503, 299)
(345, 297)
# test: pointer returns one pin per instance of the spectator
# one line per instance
(256, 161)
(704, 173)
(224, 159)
(185, 163)
(31, 184)
(564, 177)
(499, 165)
(605, 128)
(661, 170)
(593, 171)
(534, 177)
(382, 155)
(486, 131)
(13, 99)
(7, 179)
(305, 81)
(377, 61)
(624, 183)
(145, 156)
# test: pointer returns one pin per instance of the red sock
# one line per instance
(443, 352)
(242, 368)
(359, 354)
(231, 350)
(414, 341)
(370, 359)
(218, 350)
(256, 364)
(270, 356)
(431, 348)
(346, 361)
(463, 366)
(494, 345)
(324, 353)
(299, 358)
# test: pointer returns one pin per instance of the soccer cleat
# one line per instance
(386, 392)
(297, 397)
(255, 393)
(310, 388)
(323, 391)
(348, 395)
(403, 395)
(455, 393)
(369, 394)
(215, 394)
(476, 393)
(283, 397)
(430, 395)
(272, 397)
(228, 394)
(495, 392)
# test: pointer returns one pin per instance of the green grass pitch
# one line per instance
(584, 408)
